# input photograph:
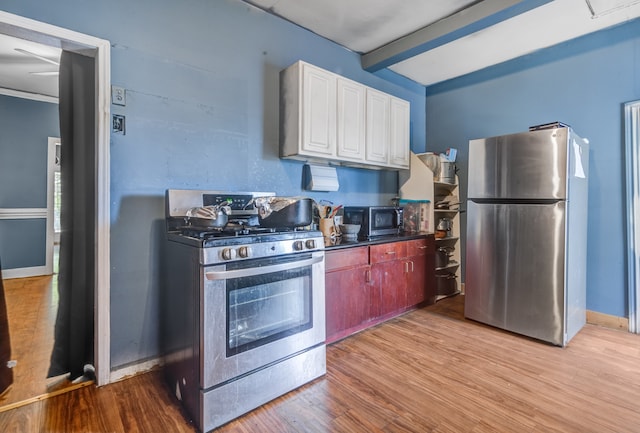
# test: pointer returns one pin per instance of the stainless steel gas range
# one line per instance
(243, 307)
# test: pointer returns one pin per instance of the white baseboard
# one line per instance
(134, 369)
(33, 271)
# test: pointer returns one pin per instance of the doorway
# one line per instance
(99, 49)
(31, 228)
(27, 170)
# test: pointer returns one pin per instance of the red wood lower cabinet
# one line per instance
(347, 291)
(350, 298)
(421, 282)
(368, 284)
(417, 281)
(388, 272)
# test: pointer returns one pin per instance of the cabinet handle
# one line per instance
(367, 276)
(390, 252)
(424, 247)
(406, 266)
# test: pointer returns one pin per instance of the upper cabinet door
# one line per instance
(318, 118)
(399, 134)
(351, 120)
(377, 140)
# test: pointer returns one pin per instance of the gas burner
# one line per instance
(224, 232)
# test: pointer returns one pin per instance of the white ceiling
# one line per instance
(362, 25)
(28, 67)
(428, 41)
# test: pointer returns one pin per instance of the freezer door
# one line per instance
(528, 165)
(515, 268)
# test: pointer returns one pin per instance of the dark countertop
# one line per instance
(339, 243)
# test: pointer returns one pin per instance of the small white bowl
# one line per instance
(349, 229)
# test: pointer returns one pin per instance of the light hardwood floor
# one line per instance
(31, 307)
(427, 371)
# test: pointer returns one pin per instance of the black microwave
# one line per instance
(375, 220)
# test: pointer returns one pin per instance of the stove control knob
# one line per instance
(244, 252)
(311, 244)
(228, 254)
(298, 246)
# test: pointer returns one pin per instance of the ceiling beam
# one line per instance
(465, 22)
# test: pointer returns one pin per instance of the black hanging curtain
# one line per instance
(73, 346)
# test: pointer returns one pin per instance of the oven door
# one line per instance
(257, 312)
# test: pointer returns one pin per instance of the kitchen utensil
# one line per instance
(327, 227)
(284, 211)
(335, 211)
(214, 216)
(447, 172)
(443, 256)
(440, 234)
(337, 221)
(451, 202)
(446, 284)
(444, 224)
(349, 229)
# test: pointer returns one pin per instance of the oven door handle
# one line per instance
(250, 272)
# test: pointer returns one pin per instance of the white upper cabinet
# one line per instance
(326, 117)
(351, 120)
(310, 123)
(399, 134)
(319, 100)
(377, 127)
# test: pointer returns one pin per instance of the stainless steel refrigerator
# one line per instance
(527, 233)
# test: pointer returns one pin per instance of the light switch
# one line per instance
(118, 95)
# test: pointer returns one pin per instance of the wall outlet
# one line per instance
(117, 124)
(118, 95)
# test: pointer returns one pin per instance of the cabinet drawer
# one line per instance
(346, 258)
(387, 252)
(420, 247)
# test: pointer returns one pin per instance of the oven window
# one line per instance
(268, 307)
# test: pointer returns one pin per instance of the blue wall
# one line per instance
(584, 83)
(202, 82)
(25, 126)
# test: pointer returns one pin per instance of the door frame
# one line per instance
(51, 169)
(632, 155)
(99, 49)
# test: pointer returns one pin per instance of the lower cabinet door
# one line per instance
(348, 300)
(421, 285)
(416, 280)
(390, 293)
